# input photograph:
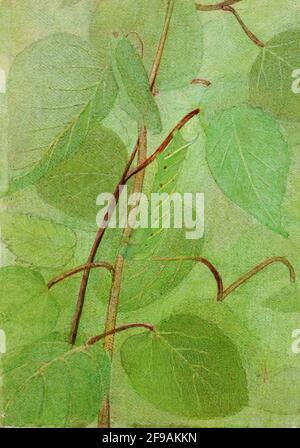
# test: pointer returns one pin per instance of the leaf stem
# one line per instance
(116, 195)
(247, 31)
(217, 6)
(163, 146)
(161, 45)
(113, 331)
(104, 414)
(227, 6)
(78, 269)
(204, 261)
(240, 281)
(93, 251)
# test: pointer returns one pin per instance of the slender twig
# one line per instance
(227, 6)
(217, 6)
(81, 268)
(161, 46)
(163, 146)
(204, 261)
(249, 33)
(239, 282)
(116, 195)
(104, 414)
(98, 338)
(201, 81)
(93, 251)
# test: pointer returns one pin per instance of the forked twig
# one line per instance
(78, 269)
(116, 195)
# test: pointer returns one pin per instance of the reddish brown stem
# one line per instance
(116, 195)
(239, 282)
(78, 269)
(163, 146)
(249, 33)
(98, 338)
(227, 6)
(204, 261)
(217, 6)
(98, 239)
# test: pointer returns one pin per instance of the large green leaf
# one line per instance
(271, 76)
(188, 368)
(134, 84)
(28, 310)
(249, 159)
(56, 86)
(37, 242)
(143, 22)
(53, 385)
(146, 280)
(74, 185)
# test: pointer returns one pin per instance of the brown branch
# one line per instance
(117, 192)
(239, 282)
(163, 146)
(93, 251)
(216, 7)
(249, 33)
(98, 338)
(81, 268)
(204, 261)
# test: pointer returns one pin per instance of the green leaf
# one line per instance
(189, 368)
(134, 83)
(271, 77)
(143, 21)
(37, 242)
(28, 310)
(56, 86)
(53, 385)
(74, 185)
(146, 280)
(249, 159)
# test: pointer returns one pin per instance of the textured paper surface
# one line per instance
(73, 94)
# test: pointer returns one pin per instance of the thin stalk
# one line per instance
(217, 6)
(227, 6)
(204, 261)
(142, 164)
(104, 414)
(244, 278)
(104, 420)
(93, 252)
(246, 30)
(119, 329)
(78, 269)
(161, 46)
